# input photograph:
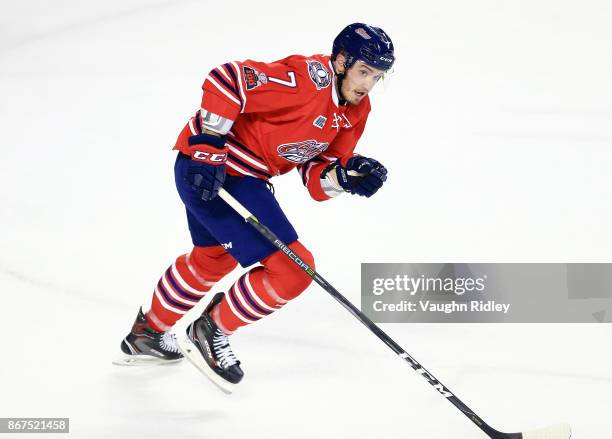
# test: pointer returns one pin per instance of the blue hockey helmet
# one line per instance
(369, 44)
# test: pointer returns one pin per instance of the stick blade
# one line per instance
(560, 431)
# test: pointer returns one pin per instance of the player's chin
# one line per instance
(356, 97)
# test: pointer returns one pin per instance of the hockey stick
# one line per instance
(561, 431)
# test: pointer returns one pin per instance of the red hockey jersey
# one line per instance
(285, 114)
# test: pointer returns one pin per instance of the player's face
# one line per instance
(359, 81)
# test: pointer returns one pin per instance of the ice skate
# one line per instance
(207, 347)
(144, 345)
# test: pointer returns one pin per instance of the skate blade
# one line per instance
(142, 360)
(192, 354)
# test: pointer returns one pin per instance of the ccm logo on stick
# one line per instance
(210, 157)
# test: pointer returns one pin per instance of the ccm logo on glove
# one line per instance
(210, 157)
(206, 172)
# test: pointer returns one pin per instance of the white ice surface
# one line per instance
(497, 131)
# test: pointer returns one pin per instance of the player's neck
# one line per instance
(339, 77)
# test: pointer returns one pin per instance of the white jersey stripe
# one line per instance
(334, 91)
(331, 159)
(221, 89)
(307, 171)
(224, 73)
(247, 158)
(191, 127)
(244, 99)
(238, 169)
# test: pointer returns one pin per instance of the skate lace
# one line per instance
(168, 342)
(223, 350)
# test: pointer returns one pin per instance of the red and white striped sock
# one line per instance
(263, 290)
(185, 282)
(177, 292)
(251, 298)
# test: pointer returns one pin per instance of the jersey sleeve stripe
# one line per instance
(306, 168)
(300, 169)
(311, 177)
(307, 171)
(221, 70)
(229, 85)
(191, 127)
(222, 90)
(198, 121)
(234, 80)
(244, 99)
(226, 84)
(229, 70)
(302, 173)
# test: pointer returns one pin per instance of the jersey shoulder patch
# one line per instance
(253, 78)
(319, 73)
(281, 75)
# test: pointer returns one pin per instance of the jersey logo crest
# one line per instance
(301, 152)
(252, 78)
(319, 74)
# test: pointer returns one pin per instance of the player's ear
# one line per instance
(339, 64)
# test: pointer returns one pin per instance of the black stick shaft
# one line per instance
(444, 391)
(295, 258)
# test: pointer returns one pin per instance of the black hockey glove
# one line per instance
(361, 175)
(206, 172)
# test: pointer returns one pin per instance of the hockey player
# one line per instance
(258, 120)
